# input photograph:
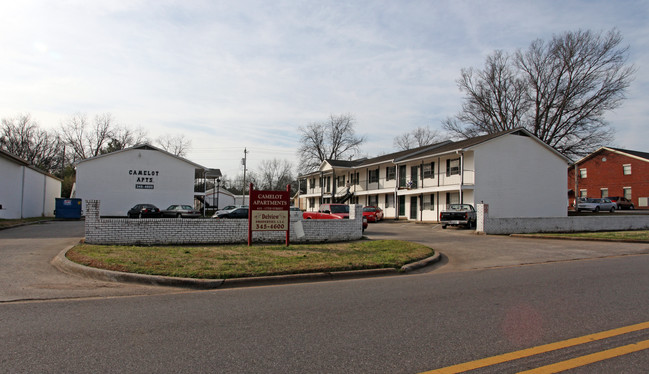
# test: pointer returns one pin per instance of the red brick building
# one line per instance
(611, 172)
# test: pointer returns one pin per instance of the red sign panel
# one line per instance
(269, 211)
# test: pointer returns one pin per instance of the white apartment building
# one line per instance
(513, 171)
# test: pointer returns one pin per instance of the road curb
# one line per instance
(532, 236)
(62, 263)
(421, 263)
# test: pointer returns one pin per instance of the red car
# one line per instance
(332, 211)
(373, 213)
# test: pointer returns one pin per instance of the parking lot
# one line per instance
(465, 250)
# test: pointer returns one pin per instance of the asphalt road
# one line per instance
(481, 302)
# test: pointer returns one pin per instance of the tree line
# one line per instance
(559, 90)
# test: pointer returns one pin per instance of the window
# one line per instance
(626, 169)
(429, 202)
(373, 176)
(355, 178)
(452, 167)
(311, 202)
(389, 201)
(340, 180)
(627, 192)
(328, 179)
(583, 193)
(312, 183)
(390, 173)
(373, 200)
(429, 170)
(604, 192)
(583, 173)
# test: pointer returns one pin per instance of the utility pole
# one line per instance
(243, 162)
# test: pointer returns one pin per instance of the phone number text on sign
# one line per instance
(269, 220)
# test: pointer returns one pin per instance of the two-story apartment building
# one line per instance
(513, 171)
(611, 172)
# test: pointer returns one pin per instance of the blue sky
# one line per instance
(231, 75)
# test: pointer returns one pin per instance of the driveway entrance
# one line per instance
(465, 250)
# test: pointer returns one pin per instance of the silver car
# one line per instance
(595, 205)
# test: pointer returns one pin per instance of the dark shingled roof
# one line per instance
(644, 155)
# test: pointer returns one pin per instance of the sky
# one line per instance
(235, 75)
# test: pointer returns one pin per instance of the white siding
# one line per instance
(25, 192)
(109, 180)
(519, 177)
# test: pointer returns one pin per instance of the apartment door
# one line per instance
(402, 177)
(413, 207)
(402, 206)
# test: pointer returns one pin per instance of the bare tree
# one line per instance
(274, 174)
(84, 139)
(418, 137)
(331, 139)
(102, 136)
(176, 145)
(559, 90)
(22, 137)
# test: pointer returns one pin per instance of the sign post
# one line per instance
(269, 211)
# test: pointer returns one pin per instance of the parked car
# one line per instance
(227, 209)
(332, 211)
(596, 205)
(458, 215)
(339, 210)
(373, 213)
(621, 202)
(144, 211)
(181, 211)
(241, 212)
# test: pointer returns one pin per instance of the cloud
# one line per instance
(231, 75)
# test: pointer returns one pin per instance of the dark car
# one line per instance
(181, 211)
(144, 211)
(622, 202)
(236, 213)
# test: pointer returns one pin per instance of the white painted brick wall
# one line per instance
(163, 231)
(609, 222)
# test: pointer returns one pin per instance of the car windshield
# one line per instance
(339, 208)
(369, 209)
(460, 207)
(187, 207)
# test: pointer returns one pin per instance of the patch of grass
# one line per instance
(642, 235)
(236, 261)
(4, 223)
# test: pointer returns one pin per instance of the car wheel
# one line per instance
(596, 209)
(631, 207)
(444, 226)
(139, 215)
(612, 209)
(179, 215)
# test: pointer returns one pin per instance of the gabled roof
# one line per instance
(436, 149)
(637, 154)
(643, 156)
(462, 145)
(17, 160)
(147, 147)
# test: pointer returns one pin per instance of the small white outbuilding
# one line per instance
(137, 175)
(26, 191)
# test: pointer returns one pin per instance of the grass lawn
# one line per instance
(606, 235)
(236, 261)
(4, 223)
